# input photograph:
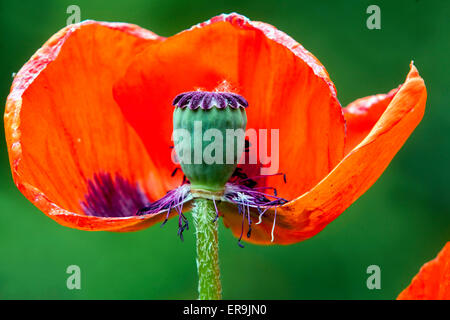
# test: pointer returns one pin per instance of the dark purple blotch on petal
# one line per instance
(109, 196)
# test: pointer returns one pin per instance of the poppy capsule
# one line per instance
(200, 117)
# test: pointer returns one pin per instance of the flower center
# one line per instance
(209, 140)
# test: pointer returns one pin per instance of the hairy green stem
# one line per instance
(204, 213)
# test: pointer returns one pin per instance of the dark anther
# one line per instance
(167, 216)
(143, 210)
(181, 229)
(174, 172)
(164, 222)
(249, 233)
(242, 178)
(180, 233)
(241, 210)
(247, 146)
(284, 177)
(239, 173)
(250, 183)
(217, 212)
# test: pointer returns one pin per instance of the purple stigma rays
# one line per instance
(206, 100)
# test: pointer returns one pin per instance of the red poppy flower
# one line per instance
(433, 280)
(88, 125)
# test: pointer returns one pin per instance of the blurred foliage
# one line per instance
(399, 224)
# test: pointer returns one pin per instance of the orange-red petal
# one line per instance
(287, 89)
(433, 280)
(63, 125)
(307, 215)
(362, 114)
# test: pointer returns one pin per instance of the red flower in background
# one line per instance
(88, 124)
(433, 280)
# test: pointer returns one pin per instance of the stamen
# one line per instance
(261, 213)
(174, 199)
(264, 176)
(217, 211)
(265, 188)
(273, 226)
(241, 175)
(167, 217)
(174, 172)
(245, 198)
(249, 223)
(181, 218)
(250, 181)
(241, 210)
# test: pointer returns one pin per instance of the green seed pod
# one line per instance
(209, 137)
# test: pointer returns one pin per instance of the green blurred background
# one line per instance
(400, 223)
